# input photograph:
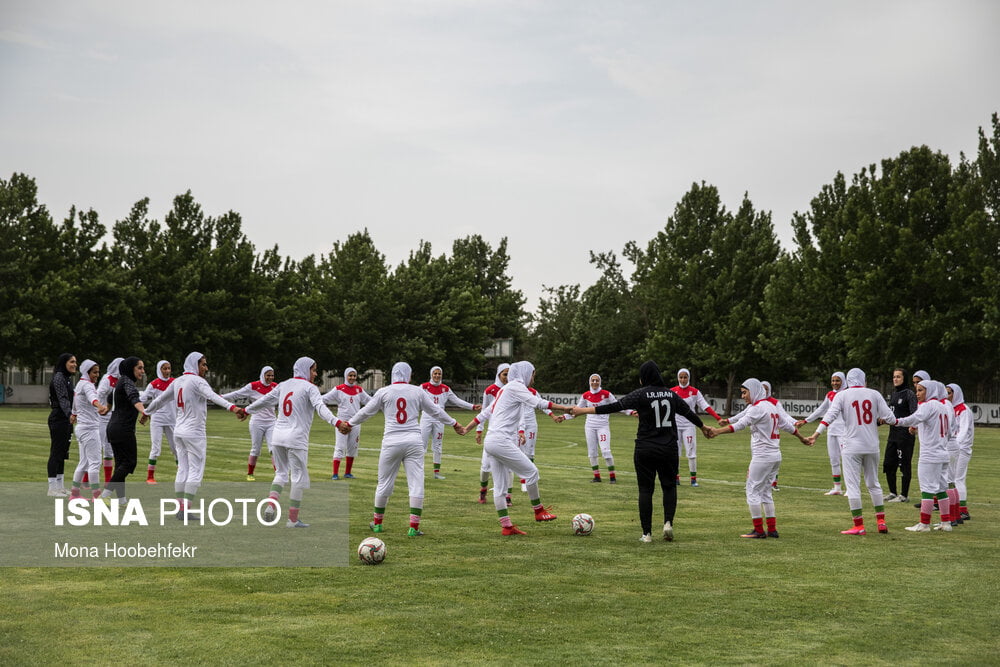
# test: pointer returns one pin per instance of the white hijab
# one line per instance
(263, 372)
(923, 375)
(113, 366)
(498, 381)
(301, 368)
(856, 378)
(520, 371)
(436, 368)
(347, 372)
(843, 380)
(191, 362)
(159, 369)
(935, 390)
(90, 363)
(401, 372)
(957, 396)
(683, 384)
(755, 388)
(592, 376)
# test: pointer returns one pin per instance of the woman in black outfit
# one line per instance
(61, 421)
(121, 428)
(655, 443)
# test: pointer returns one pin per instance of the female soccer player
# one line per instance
(687, 435)
(964, 432)
(655, 443)
(60, 421)
(121, 428)
(401, 403)
(161, 425)
(88, 410)
(764, 420)
(836, 430)
(933, 423)
(349, 397)
(296, 399)
(261, 423)
(528, 432)
(190, 393)
(501, 446)
(862, 410)
(597, 428)
(430, 428)
(490, 395)
(104, 389)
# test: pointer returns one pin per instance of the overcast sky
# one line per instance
(565, 126)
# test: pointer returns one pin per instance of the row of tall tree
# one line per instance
(196, 282)
(898, 265)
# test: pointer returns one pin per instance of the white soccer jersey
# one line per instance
(190, 393)
(252, 392)
(84, 395)
(695, 400)
(933, 426)
(296, 400)
(965, 427)
(593, 399)
(836, 426)
(528, 418)
(349, 398)
(505, 412)
(765, 420)
(859, 409)
(443, 396)
(168, 415)
(402, 403)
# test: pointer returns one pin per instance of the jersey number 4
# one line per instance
(662, 421)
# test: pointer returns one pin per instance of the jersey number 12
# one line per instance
(661, 421)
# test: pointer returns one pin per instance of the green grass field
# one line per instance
(464, 594)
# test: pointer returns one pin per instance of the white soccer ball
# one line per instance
(583, 524)
(371, 551)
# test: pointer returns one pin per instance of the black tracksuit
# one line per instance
(899, 446)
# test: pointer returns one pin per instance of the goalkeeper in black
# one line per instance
(655, 443)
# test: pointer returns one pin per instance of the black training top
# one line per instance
(903, 403)
(656, 406)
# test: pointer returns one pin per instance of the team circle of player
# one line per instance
(103, 411)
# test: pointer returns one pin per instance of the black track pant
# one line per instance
(124, 446)
(60, 434)
(898, 456)
(652, 461)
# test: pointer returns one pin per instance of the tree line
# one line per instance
(897, 266)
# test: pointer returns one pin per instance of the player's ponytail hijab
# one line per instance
(856, 378)
(649, 375)
(401, 372)
(301, 368)
(756, 390)
(191, 362)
